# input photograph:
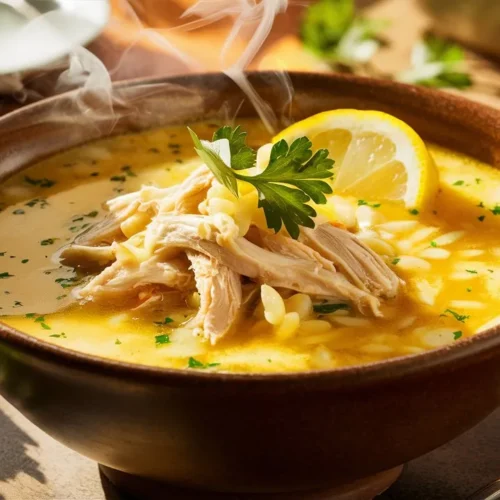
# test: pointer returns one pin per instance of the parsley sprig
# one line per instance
(289, 165)
(437, 63)
(332, 30)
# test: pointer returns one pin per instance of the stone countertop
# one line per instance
(33, 466)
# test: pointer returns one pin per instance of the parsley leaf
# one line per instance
(194, 363)
(459, 317)
(293, 165)
(5, 275)
(166, 321)
(329, 308)
(436, 63)
(48, 241)
(297, 166)
(162, 339)
(45, 183)
(333, 32)
(395, 261)
(242, 156)
(457, 335)
(210, 154)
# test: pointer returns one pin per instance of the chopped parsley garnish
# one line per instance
(118, 178)
(45, 183)
(478, 180)
(433, 244)
(363, 202)
(128, 171)
(5, 275)
(162, 339)
(413, 211)
(67, 282)
(19, 211)
(166, 321)
(61, 335)
(459, 317)
(329, 308)
(30, 315)
(395, 261)
(2, 254)
(94, 174)
(118, 342)
(289, 165)
(61, 297)
(469, 289)
(194, 363)
(92, 214)
(457, 334)
(458, 183)
(40, 201)
(481, 218)
(471, 271)
(24, 261)
(495, 210)
(490, 270)
(17, 303)
(48, 241)
(480, 204)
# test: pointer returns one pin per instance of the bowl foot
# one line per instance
(146, 489)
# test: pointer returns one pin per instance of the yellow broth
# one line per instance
(47, 205)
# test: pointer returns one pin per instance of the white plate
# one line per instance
(28, 44)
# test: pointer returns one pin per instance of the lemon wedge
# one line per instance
(377, 156)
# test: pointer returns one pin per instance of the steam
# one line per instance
(97, 104)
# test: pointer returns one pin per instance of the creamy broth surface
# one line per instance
(454, 294)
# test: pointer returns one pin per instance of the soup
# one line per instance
(439, 280)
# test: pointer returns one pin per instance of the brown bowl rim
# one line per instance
(384, 370)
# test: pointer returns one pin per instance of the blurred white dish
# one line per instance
(26, 44)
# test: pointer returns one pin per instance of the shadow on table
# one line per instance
(14, 458)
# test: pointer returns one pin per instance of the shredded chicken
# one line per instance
(218, 237)
(123, 280)
(220, 296)
(174, 250)
(359, 263)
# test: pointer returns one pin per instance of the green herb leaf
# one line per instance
(128, 171)
(5, 275)
(117, 342)
(395, 261)
(48, 241)
(45, 183)
(118, 178)
(413, 211)
(19, 211)
(166, 321)
(30, 315)
(24, 261)
(211, 158)
(481, 218)
(67, 282)
(457, 335)
(297, 166)
(373, 205)
(242, 156)
(194, 363)
(458, 183)
(459, 317)
(92, 214)
(471, 271)
(495, 210)
(329, 308)
(293, 165)
(45, 326)
(433, 244)
(162, 339)
(437, 63)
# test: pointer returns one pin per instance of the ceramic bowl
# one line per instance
(289, 432)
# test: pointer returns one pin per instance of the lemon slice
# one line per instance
(377, 156)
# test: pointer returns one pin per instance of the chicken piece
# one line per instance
(123, 281)
(183, 198)
(220, 296)
(360, 264)
(180, 199)
(79, 256)
(217, 237)
(292, 248)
